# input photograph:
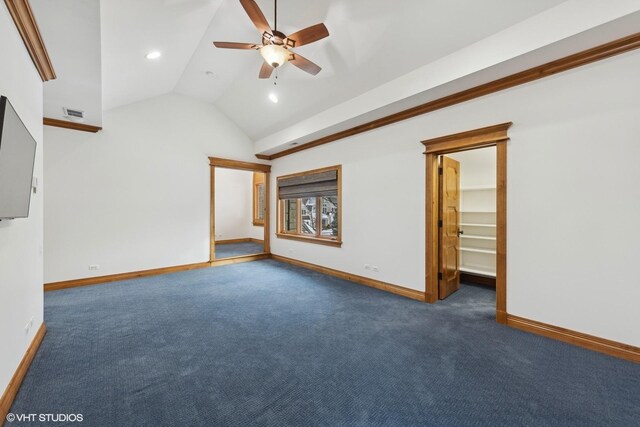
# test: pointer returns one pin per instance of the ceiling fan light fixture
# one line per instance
(273, 97)
(275, 55)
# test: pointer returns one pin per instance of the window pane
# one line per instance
(308, 215)
(329, 216)
(290, 215)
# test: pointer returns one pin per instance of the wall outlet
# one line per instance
(367, 267)
(375, 268)
(94, 267)
(31, 323)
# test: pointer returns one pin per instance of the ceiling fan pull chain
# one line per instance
(275, 14)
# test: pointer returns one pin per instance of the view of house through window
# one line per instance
(309, 205)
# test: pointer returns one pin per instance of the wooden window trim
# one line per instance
(282, 234)
(258, 179)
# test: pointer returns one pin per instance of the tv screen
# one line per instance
(17, 156)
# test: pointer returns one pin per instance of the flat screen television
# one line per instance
(17, 157)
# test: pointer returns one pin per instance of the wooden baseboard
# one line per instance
(231, 241)
(16, 381)
(54, 286)
(602, 345)
(394, 289)
(478, 279)
(239, 259)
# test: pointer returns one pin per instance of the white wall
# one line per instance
(233, 204)
(477, 167)
(134, 196)
(21, 239)
(573, 197)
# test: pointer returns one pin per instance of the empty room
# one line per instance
(331, 213)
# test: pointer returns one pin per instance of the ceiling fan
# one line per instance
(276, 47)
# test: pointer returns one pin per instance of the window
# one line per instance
(309, 206)
(259, 206)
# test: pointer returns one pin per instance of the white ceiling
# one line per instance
(73, 43)
(371, 42)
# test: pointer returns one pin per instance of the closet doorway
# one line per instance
(466, 213)
(239, 211)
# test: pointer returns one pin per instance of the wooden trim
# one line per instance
(478, 279)
(394, 289)
(449, 144)
(212, 213)
(237, 164)
(54, 286)
(258, 241)
(22, 15)
(602, 345)
(258, 179)
(576, 60)
(310, 239)
(239, 259)
(477, 138)
(501, 232)
(16, 381)
(231, 241)
(70, 125)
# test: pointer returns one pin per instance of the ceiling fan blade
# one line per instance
(304, 64)
(309, 35)
(232, 45)
(256, 16)
(265, 70)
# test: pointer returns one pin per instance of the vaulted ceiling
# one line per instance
(372, 42)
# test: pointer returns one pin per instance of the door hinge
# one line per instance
(439, 276)
(440, 171)
(440, 223)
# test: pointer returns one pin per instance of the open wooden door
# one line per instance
(449, 272)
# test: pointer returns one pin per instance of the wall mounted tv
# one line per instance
(17, 156)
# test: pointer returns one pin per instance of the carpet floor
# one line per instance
(266, 343)
(228, 250)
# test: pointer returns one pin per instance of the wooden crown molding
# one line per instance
(16, 381)
(70, 125)
(22, 15)
(602, 345)
(475, 138)
(576, 60)
(237, 164)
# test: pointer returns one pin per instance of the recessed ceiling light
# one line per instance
(153, 55)
(273, 97)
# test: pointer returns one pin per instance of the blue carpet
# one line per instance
(228, 250)
(265, 343)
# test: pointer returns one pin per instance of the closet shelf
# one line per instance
(478, 188)
(473, 236)
(479, 251)
(477, 271)
(470, 224)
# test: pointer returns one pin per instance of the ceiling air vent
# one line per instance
(73, 114)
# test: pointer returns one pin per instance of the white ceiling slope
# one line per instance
(570, 27)
(73, 43)
(132, 28)
(371, 42)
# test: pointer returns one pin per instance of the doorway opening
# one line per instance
(466, 213)
(239, 211)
